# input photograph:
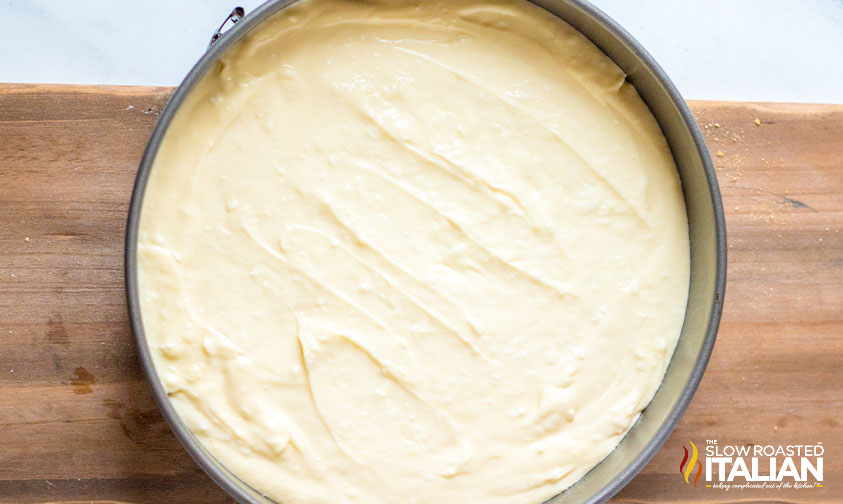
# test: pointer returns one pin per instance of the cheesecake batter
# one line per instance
(425, 252)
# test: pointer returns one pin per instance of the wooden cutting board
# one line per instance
(78, 423)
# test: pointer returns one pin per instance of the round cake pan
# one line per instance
(707, 239)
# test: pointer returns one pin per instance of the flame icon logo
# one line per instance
(686, 469)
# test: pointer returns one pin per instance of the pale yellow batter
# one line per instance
(426, 252)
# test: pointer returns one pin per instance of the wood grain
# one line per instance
(78, 423)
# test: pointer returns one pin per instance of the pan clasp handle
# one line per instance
(236, 15)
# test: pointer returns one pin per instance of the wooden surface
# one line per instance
(78, 423)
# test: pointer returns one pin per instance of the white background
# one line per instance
(760, 50)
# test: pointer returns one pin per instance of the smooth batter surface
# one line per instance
(413, 252)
